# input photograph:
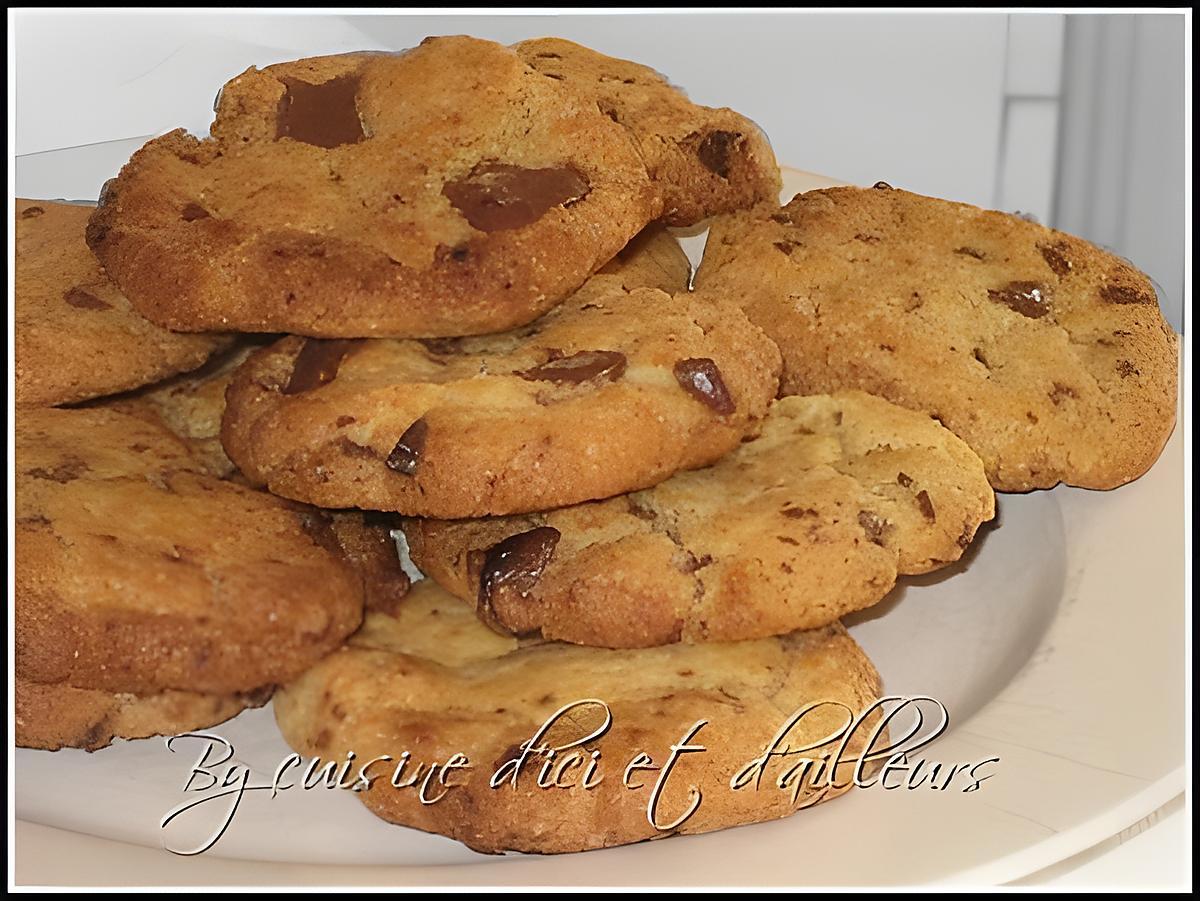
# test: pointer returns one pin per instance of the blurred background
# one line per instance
(1076, 119)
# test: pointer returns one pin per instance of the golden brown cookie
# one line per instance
(434, 682)
(705, 161)
(810, 521)
(614, 390)
(75, 335)
(50, 717)
(1047, 355)
(139, 571)
(447, 190)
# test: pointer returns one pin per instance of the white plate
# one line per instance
(1057, 645)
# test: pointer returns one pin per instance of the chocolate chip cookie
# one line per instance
(812, 520)
(614, 390)
(433, 682)
(1048, 356)
(75, 334)
(705, 161)
(138, 571)
(444, 191)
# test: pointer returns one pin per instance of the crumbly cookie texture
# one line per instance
(705, 161)
(810, 521)
(75, 335)
(447, 190)
(434, 682)
(1047, 355)
(50, 717)
(614, 390)
(191, 406)
(139, 571)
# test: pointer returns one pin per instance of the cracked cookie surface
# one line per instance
(705, 161)
(140, 571)
(810, 521)
(75, 335)
(434, 682)
(616, 389)
(1048, 356)
(446, 190)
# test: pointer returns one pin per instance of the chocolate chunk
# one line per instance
(926, 505)
(193, 211)
(691, 563)
(317, 363)
(1056, 258)
(513, 566)
(85, 300)
(970, 252)
(715, 150)
(904, 479)
(31, 212)
(498, 196)
(324, 115)
(608, 365)
(786, 246)
(882, 186)
(442, 346)
(354, 449)
(1027, 298)
(343, 421)
(108, 192)
(67, 471)
(638, 510)
(406, 455)
(799, 512)
(1123, 294)
(873, 525)
(701, 378)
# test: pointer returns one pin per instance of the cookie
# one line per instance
(1045, 354)
(50, 717)
(705, 161)
(444, 191)
(433, 682)
(191, 406)
(810, 521)
(614, 390)
(75, 335)
(139, 571)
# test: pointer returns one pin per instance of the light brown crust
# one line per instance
(434, 682)
(50, 717)
(912, 298)
(248, 232)
(76, 336)
(496, 442)
(705, 161)
(812, 520)
(138, 571)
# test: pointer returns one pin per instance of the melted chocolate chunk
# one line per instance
(81, 299)
(786, 247)
(691, 563)
(324, 115)
(498, 196)
(586, 365)
(1123, 294)
(873, 526)
(317, 363)
(31, 212)
(354, 449)
(970, 252)
(193, 211)
(1027, 298)
(406, 455)
(701, 378)
(904, 480)
(926, 505)
(1056, 258)
(67, 471)
(715, 151)
(513, 566)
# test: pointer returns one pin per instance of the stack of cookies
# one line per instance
(440, 301)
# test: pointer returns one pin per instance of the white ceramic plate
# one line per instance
(1057, 645)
